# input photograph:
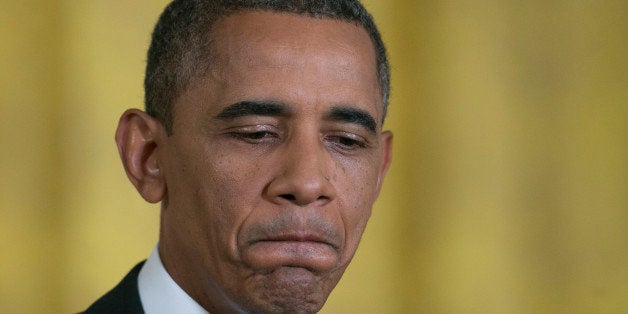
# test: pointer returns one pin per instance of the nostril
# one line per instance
(289, 197)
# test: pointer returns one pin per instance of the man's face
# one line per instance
(275, 160)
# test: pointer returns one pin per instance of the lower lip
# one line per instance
(316, 256)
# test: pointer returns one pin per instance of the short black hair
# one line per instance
(180, 46)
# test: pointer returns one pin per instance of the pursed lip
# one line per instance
(304, 237)
(299, 237)
(317, 246)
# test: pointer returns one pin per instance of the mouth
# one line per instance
(308, 250)
(298, 237)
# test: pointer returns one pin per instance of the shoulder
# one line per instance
(123, 298)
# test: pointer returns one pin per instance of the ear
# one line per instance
(137, 138)
(386, 140)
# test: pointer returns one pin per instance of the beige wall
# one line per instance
(508, 192)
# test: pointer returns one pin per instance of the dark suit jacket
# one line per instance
(123, 298)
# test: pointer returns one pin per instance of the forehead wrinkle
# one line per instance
(248, 36)
(245, 46)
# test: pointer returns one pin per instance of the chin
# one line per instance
(290, 290)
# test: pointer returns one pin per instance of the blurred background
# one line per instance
(509, 187)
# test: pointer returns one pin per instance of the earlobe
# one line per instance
(137, 138)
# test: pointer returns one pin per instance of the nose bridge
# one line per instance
(305, 157)
(305, 170)
(306, 162)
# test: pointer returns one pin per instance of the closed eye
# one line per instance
(254, 137)
(347, 141)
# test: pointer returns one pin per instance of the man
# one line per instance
(263, 141)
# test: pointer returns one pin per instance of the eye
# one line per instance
(347, 141)
(254, 137)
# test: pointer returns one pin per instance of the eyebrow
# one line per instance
(353, 115)
(252, 108)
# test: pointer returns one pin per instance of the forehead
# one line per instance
(290, 31)
(274, 55)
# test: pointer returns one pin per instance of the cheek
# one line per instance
(356, 185)
(357, 179)
(213, 196)
(232, 193)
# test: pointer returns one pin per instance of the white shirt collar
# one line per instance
(160, 294)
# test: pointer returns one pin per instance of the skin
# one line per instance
(268, 179)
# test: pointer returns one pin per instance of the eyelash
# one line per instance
(347, 142)
(253, 137)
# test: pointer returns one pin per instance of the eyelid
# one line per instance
(360, 141)
(249, 133)
(252, 128)
(351, 135)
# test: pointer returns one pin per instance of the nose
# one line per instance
(303, 175)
